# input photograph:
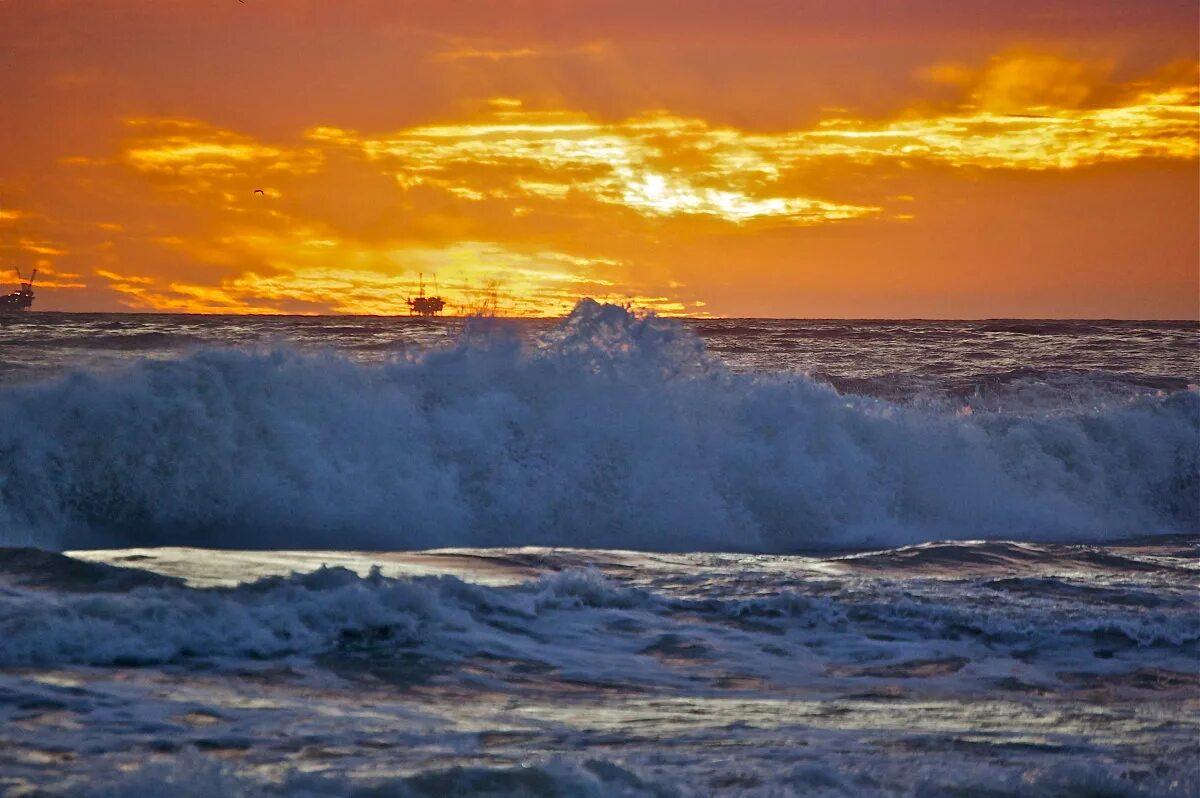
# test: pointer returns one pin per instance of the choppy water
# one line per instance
(712, 558)
(892, 358)
(952, 669)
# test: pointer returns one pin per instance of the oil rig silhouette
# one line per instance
(421, 305)
(22, 298)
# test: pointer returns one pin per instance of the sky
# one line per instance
(786, 158)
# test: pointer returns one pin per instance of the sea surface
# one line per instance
(606, 555)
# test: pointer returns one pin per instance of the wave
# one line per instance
(981, 557)
(616, 430)
(132, 341)
(327, 610)
(577, 625)
(49, 615)
(824, 773)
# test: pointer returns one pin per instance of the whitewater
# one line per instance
(611, 430)
(613, 554)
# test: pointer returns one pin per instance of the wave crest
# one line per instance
(617, 430)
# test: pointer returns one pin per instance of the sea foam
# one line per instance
(617, 430)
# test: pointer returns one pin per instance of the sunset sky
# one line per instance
(793, 158)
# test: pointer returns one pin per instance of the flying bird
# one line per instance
(260, 191)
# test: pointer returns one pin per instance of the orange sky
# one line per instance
(802, 158)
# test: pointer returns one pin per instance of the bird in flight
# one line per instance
(260, 191)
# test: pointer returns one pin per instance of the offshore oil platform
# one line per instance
(422, 305)
(22, 298)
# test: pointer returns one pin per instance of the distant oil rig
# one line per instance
(421, 305)
(22, 298)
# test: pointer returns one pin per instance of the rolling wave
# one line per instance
(132, 617)
(616, 430)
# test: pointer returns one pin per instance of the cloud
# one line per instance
(193, 149)
(1155, 125)
(41, 247)
(657, 165)
(49, 277)
(1030, 82)
(475, 53)
(461, 50)
(546, 202)
(1023, 112)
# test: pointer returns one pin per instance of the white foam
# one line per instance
(729, 674)
(618, 431)
(560, 618)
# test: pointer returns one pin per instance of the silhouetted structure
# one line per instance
(422, 305)
(22, 298)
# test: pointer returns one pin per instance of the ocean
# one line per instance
(609, 555)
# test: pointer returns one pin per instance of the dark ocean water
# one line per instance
(895, 358)
(733, 557)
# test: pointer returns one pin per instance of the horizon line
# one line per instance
(448, 316)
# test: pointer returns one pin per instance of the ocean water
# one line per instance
(607, 555)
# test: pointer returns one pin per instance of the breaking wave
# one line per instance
(330, 609)
(617, 430)
(443, 619)
(929, 775)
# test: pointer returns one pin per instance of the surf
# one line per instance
(613, 430)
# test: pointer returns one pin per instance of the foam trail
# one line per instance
(619, 430)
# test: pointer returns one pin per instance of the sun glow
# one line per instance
(552, 203)
(323, 275)
(637, 164)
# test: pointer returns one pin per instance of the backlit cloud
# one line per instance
(658, 165)
(468, 50)
(193, 149)
(1022, 114)
(498, 197)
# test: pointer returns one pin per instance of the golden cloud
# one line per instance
(466, 50)
(188, 148)
(469, 53)
(41, 247)
(49, 277)
(1155, 125)
(645, 165)
(1022, 113)
(505, 170)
